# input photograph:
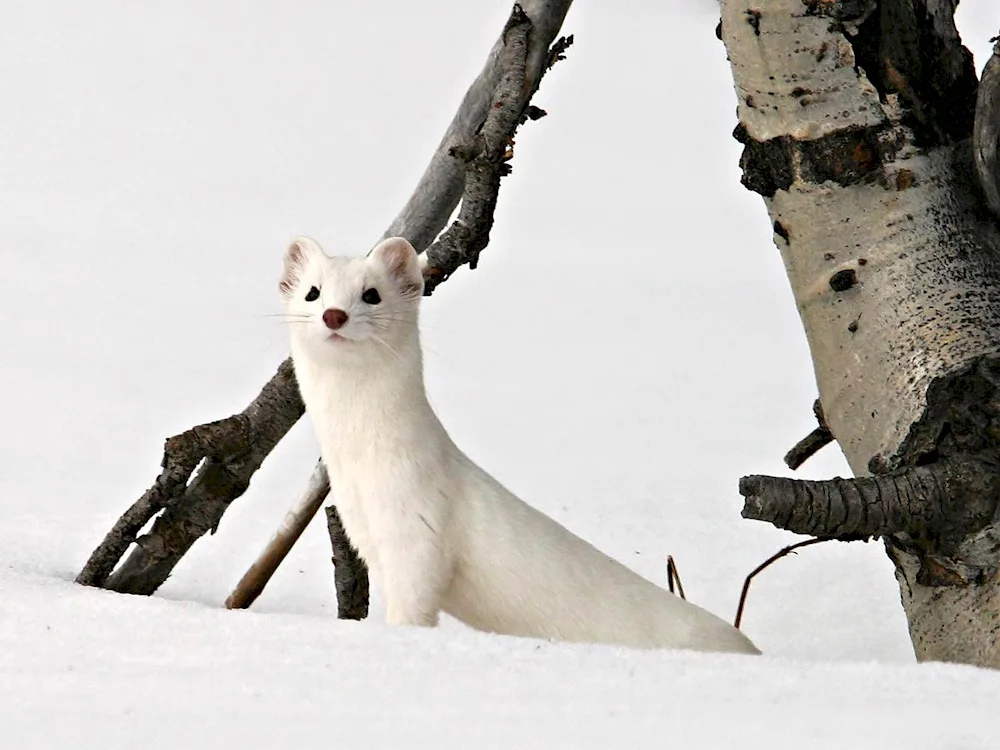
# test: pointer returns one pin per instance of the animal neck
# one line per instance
(367, 385)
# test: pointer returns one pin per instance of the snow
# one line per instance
(626, 351)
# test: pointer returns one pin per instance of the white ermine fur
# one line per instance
(438, 532)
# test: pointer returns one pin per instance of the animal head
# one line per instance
(339, 306)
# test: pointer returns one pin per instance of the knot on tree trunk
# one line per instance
(948, 507)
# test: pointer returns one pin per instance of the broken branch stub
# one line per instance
(350, 573)
(811, 444)
(943, 503)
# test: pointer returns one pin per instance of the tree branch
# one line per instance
(442, 184)
(947, 500)
(255, 579)
(486, 156)
(986, 132)
(229, 452)
(808, 446)
(190, 509)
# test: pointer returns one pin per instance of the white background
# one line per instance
(626, 351)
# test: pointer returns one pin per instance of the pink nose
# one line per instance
(334, 318)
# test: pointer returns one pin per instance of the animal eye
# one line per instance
(312, 295)
(371, 296)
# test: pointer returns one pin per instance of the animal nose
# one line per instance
(334, 318)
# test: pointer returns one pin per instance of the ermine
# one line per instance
(438, 532)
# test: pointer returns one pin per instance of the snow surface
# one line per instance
(627, 350)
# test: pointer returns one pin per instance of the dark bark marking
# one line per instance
(843, 280)
(848, 157)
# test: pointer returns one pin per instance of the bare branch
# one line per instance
(949, 499)
(229, 451)
(486, 156)
(763, 566)
(986, 132)
(442, 184)
(808, 446)
(255, 579)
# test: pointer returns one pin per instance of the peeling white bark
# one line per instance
(793, 75)
(896, 275)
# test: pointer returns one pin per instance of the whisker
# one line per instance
(382, 342)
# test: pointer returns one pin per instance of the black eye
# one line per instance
(312, 295)
(371, 296)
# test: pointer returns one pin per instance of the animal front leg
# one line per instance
(414, 586)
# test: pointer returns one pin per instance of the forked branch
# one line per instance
(229, 452)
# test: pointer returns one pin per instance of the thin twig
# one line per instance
(673, 576)
(776, 556)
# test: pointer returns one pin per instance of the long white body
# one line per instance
(439, 533)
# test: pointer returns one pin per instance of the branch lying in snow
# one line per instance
(986, 132)
(954, 497)
(808, 446)
(229, 451)
(233, 449)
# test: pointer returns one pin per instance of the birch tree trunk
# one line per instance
(856, 118)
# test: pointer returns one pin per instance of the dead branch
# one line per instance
(986, 131)
(764, 565)
(255, 579)
(442, 185)
(192, 508)
(229, 452)
(948, 499)
(486, 156)
(350, 574)
(808, 446)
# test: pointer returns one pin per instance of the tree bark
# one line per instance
(229, 452)
(856, 118)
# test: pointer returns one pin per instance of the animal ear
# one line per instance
(297, 257)
(399, 259)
